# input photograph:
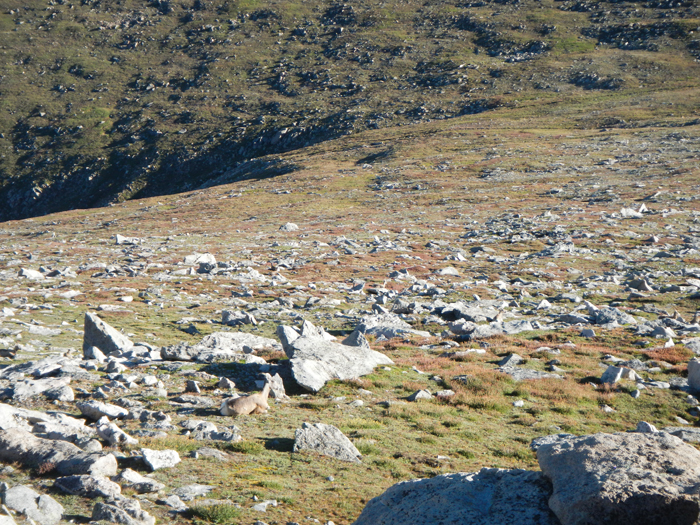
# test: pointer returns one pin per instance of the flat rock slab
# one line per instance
(326, 440)
(521, 374)
(43, 509)
(189, 492)
(483, 331)
(17, 445)
(622, 478)
(488, 497)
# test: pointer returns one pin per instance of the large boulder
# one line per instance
(640, 478)
(106, 338)
(488, 497)
(315, 360)
(219, 346)
(326, 440)
(17, 445)
(41, 508)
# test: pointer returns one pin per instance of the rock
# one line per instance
(95, 353)
(88, 486)
(206, 452)
(17, 445)
(100, 334)
(97, 409)
(128, 241)
(28, 388)
(43, 509)
(609, 315)
(114, 435)
(157, 459)
(588, 333)
(287, 336)
(622, 478)
(687, 434)
(521, 374)
(548, 440)
(122, 510)
(693, 345)
(32, 275)
(189, 492)
(277, 390)
(229, 346)
(315, 361)
(133, 480)
(174, 502)
(501, 328)
(199, 258)
(262, 506)
(289, 227)
(510, 360)
(195, 401)
(61, 393)
(488, 497)
(420, 394)
(387, 326)
(449, 270)
(326, 440)
(645, 427)
(694, 374)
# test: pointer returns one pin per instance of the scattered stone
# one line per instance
(420, 394)
(157, 459)
(41, 508)
(88, 486)
(100, 334)
(122, 510)
(141, 484)
(17, 445)
(326, 440)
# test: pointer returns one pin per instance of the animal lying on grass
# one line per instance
(244, 405)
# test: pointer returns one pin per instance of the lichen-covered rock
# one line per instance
(488, 497)
(640, 478)
(326, 440)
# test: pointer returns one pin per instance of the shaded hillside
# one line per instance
(105, 101)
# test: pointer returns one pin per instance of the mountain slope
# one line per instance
(106, 101)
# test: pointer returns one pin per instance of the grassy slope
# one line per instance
(103, 101)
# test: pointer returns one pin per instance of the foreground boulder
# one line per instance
(103, 336)
(41, 508)
(17, 445)
(88, 486)
(635, 478)
(315, 360)
(488, 497)
(326, 440)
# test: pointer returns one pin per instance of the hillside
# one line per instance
(101, 102)
(495, 236)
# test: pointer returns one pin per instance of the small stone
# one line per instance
(157, 459)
